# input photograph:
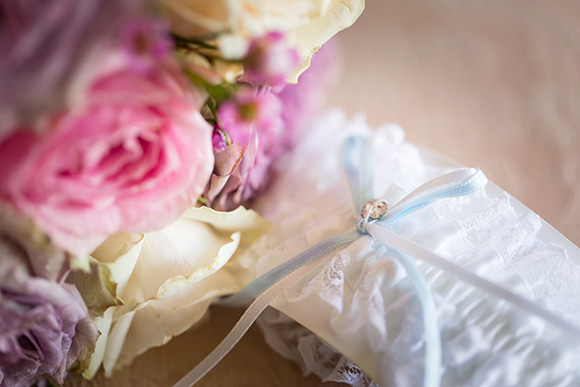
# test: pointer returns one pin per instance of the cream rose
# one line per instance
(308, 24)
(166, 280)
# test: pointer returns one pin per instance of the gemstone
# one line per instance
(374, 209)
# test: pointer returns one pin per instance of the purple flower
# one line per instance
(270, 60)
(44, 324)
(46, 46)
(254, 127)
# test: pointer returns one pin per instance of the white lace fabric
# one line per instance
(362, 296)
(309, 352)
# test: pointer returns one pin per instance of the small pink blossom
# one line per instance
(251, 110)
(254, 126)
(270, 60)
(132, 156)
(262, 125)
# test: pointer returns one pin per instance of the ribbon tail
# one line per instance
(244, 323)
(433, 372)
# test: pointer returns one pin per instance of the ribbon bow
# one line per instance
(371, 220)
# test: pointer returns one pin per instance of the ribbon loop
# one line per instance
(457, 183)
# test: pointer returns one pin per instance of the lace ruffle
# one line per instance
(294, 342)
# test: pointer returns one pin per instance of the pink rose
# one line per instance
(131, 157)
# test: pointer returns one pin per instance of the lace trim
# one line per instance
(294, 342)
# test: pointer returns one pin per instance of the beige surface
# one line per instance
(493, 84)
(250, 364)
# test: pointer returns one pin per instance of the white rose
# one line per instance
(167, 279)
(308, 24)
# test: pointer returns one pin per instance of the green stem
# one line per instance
(197, 42)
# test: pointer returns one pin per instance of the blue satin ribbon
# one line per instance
(251, 291)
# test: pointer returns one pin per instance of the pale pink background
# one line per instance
(493, 84)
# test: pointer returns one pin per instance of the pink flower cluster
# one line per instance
(101, 131)
(259, 124)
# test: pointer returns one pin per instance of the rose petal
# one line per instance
(241, 219)
(163, 319)
(168, 279)
(310, 37)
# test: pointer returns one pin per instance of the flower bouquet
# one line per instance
(133, 137)
(157, 157)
